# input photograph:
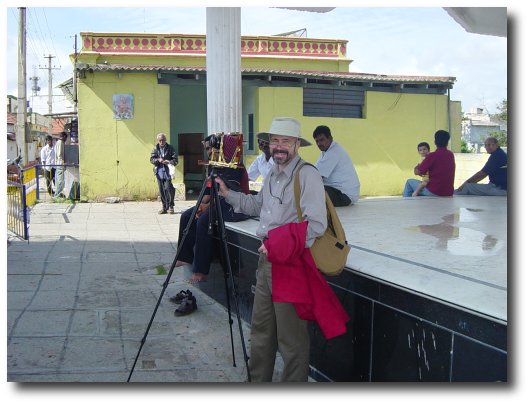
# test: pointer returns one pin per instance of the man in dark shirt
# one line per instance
(162, 156)
(495, 168)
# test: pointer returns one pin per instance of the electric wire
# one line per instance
(31, 43)
(32, 15)
(62, 74)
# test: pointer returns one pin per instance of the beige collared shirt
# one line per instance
(275, 203)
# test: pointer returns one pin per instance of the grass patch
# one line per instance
(160, 270)
(57, 201)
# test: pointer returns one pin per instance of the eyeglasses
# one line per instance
(287, 143)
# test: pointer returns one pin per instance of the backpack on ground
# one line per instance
(329, 251)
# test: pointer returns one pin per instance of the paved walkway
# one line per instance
(80, 295)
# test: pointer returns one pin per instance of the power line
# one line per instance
(49, 31)
(45, 39)
(35, 29)
(61, 73)
(32, 45)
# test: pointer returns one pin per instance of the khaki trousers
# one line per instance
(276, 327)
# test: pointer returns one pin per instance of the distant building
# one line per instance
(477, 125)
(11, 149)
(38, 127)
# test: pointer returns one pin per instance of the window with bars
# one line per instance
(344, 103)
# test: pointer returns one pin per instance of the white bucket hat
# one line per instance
(285, 126)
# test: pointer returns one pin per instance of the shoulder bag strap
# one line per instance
(297, 191)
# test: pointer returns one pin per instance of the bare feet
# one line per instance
(197, 278)
(180, 264)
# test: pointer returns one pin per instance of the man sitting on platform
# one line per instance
(198, 245)
(495, 168)
(336, 168)
(440, 165)
(262, 165)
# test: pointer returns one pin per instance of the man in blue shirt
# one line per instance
(496, 168)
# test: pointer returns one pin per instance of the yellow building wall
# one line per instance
(383, 145)
(114, 154)
(456, 126)
(324, 64)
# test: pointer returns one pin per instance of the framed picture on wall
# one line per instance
(123, 106)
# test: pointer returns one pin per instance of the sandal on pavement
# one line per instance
(186, 307)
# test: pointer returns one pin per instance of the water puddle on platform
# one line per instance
(460, 240)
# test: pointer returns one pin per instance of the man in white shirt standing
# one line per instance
(262, 165)
(336, 168)
(47, 160)
(59, 161)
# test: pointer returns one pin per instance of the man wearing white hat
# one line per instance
(276, 325)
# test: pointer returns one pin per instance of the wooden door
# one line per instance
(191, 149)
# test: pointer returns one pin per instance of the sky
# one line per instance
(423, 41)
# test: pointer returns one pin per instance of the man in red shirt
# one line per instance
(441, 167)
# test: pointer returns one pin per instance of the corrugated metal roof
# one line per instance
(298, 73)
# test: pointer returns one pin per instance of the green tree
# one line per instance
(463, 147)
(502, 118)
(502, 115)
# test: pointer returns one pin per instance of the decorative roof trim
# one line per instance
(178, 44)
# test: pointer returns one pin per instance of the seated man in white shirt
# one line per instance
(262, 164)
(336, 168)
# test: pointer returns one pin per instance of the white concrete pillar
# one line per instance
(223, 64)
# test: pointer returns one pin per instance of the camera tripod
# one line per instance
(215, 215)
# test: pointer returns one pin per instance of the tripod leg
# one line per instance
(215, 213)
(166, 282)
(222, 235)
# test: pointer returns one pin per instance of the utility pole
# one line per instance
(50, 90)
(21, 99)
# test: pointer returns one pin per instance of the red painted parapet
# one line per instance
(196, 44)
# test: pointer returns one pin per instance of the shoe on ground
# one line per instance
(162, 211)
(171, 211)
(182, 295)
(186, 306)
